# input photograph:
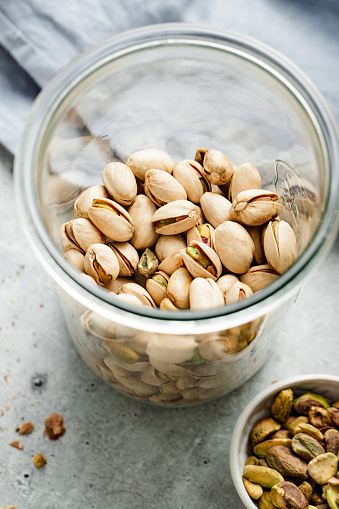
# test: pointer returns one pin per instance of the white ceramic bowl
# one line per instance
(259, 407)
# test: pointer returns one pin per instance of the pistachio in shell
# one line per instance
(265, 477)
(255, 207)
(259, 276)
(172, 263)
(323, 467)
(262, 448)
(254, 490)
(111, 219)
(282, 405)
(84, 201)
(127, 256)
(238, 292)
(178, 288)
(245, 177)
(234, 247)
(168, 244)
(205, 294)
(171, 349)
(114, 285)
(202, 261)
(215, 208)
(75, 258)
(120, 182)
(331, 437)
(141, 211)
(280, 245)
(287, 462)
(200, 155)
(226, 282)
(168, 305)
(139, 292)
(101, 263)
(218, 169)
(156, 286)
(306, 446)
(191, 176)
(128, 299)
(175, 217)
(285, 495)
(262, 429)
(80, 233)
(163, 188)
(147, 159)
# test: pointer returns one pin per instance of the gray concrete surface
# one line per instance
(119, 453)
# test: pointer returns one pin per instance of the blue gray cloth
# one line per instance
(38, 37)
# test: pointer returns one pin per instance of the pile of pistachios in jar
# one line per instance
(193, 235)
(295, 454)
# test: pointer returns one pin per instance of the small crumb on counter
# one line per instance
(54, 426)
(17, 445)
(39, 460)
(26, 428)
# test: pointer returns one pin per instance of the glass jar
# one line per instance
(177, 87)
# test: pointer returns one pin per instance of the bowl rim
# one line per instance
(240, 425)
(74, 73)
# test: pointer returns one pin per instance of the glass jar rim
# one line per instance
(66, 80)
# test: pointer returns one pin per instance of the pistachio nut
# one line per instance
(129, 299)
(200, 154)
(114, 285)
(178, 288)
(226, 282)
(120, 182)
(262, 463)
(264, 501)
(255, 207)
(319, 417)
(238, 292)
(334, 413)
(335, 404)
(172, 263)
(282, 405)
(136, 385)
(163, 188)
(306, 446)
(245, 177)
(168, 244)
(256, 235)
(205, 294)
(175, 217)
(265, 477)
(262, 448)
(280, 245)
(75, 258)
(218, 169)
(149, 159)
(251, 460)
(167, 304)
(331, 437)
(286, 495)
(101, 263)
(148, 263)
(84, 201)
(127, 256)
(332, 496)
(79, 234)
(254, 490)
(171, 349)
(191, 176)
(202, 261)
(302, 195)
(262, 429)
(287, 462)
(157, 286)
(215, 208)
(111, 219)
(323, 467)
(316, 498)
(201, 233)
(281, 433)
(307, 428)
(293, 423)
(306, 489)
(259, 276)
(234, 247)
(139, 292)
(141, 211)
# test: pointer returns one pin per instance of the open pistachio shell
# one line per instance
(120, 182)
(225, 282)
(205, 294)
(147, 159)
(127, 256)
(234, 246)
(171, 349)
(215, 208)
(238, 292)
(259, 276)
(168, 305)
(157, 286)
(79, 234)
(75, 258)
(84, 201)
(116, 284)
(245, 177)
(172, 263)
(280, 245)
(168, 244)
(202, 261)
(129, 299)
(191, 176)
(148, 263)
(201, 233)
(139, 292)
(175, 217)
(101, 263)
(111, 219)
(255, 207)
(178, 288)
(218, 169)
(162, 188)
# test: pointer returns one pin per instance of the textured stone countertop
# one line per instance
(117, 452)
